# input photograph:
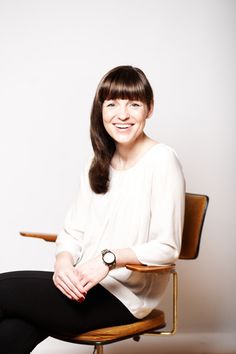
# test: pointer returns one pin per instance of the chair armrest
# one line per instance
(45, 237)
(135, 267)
(151, 269)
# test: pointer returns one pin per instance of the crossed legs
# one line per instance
(32, 308)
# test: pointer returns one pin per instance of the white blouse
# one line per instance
(143, 210)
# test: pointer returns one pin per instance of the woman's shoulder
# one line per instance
(162, 153)
(168, 169)
(163, 160)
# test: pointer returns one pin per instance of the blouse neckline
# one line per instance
(114, 170)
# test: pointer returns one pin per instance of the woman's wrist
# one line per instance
(64, 258)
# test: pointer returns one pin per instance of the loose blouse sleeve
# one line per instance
(167, 213)
(70, 238)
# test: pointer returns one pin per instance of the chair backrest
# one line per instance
(195, 210)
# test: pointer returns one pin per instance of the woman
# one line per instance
(129, 209)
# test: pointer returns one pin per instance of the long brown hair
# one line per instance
(122, 82)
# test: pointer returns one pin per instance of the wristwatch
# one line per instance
(109, 258)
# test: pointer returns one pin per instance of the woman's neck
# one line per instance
(126, 155)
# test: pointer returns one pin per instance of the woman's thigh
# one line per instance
(32, 296)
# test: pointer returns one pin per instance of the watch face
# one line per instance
(109, 257)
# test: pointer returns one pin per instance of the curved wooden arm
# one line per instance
(151, 269)
(45, 237)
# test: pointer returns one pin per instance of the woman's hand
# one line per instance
(66, 278)
(75, 282)
(91, 272)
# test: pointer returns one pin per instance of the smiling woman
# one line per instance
(129, 210)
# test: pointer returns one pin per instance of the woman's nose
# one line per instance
(123, 113)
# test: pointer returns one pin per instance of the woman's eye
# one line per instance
(111, 104)
(135, 104)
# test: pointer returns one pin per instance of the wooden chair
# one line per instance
(195, 210)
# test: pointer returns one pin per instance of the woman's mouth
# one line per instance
(123, 126)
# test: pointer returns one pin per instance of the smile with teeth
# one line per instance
(123, 126)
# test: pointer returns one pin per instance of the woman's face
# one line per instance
(124, 120)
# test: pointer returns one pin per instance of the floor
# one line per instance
(198, 343)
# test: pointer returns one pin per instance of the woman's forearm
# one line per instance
(125, 256)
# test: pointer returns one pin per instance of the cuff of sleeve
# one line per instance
(152, 257)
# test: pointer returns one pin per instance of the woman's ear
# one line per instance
(150, 110)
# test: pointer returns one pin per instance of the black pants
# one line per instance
(32, 308)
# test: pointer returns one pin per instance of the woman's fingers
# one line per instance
(59, 287)
(70, 286)
(71, 289)
(88, 286)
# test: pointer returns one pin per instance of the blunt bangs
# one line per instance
(126, 83)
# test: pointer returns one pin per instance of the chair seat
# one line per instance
(155, 320)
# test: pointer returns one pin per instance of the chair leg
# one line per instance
(99, 348)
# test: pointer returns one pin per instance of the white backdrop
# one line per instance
(52, 55)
